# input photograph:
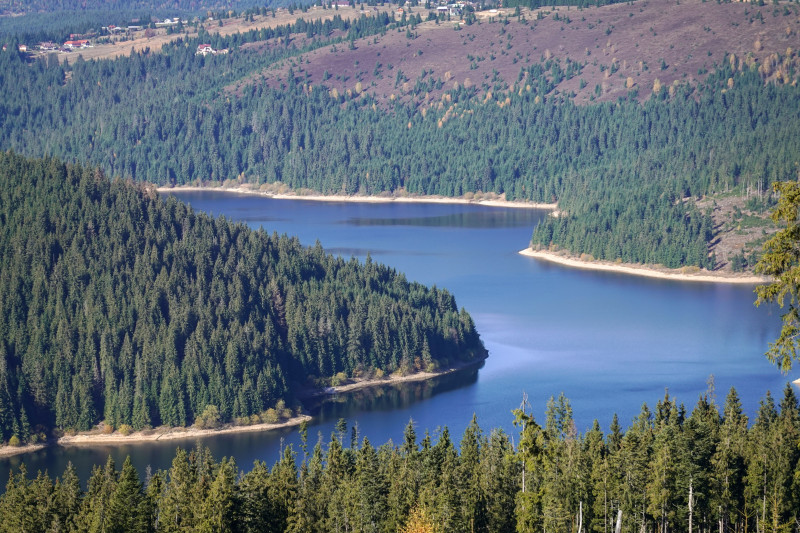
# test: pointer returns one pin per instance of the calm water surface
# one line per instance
(610, 342)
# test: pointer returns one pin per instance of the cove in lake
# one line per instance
(609, 341)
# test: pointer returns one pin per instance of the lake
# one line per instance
(609, 341)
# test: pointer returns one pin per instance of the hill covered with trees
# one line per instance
(117, 305)
(627, 175)
(708, 470)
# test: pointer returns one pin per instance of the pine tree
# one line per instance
(125, 509)
(728, 464)
(372, 489)
(217, 513)
(178, 506)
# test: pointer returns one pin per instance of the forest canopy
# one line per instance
(120, 306)
(625, 175)
(671, 470)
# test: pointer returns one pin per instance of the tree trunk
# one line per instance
(690, 505)
(618, 529)
(764, 500)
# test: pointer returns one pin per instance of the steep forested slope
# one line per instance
(626, 175)
(117, 305)
(619, 171)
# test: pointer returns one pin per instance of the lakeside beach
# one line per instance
(681, 274)
(362, 199)
(561, 258)
(355, 384)
(96, 437)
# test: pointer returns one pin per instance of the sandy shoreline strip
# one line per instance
(362, 199)
(96, 438)
(170, 433)
(8, 451)
(366, 383)
(637, 270)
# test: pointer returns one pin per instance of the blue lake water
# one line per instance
(609, 341)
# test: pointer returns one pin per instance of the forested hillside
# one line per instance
(669, 471)
(619, 171)
(626, 175)
(117, 305)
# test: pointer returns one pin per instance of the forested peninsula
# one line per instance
(671, 470)
(120, 306)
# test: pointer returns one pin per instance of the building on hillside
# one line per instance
(80, 43)
(171, 22)
(206, 49)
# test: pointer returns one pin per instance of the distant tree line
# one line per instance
(34, 28)
(16, 7)
(708, 470)
(117, 305)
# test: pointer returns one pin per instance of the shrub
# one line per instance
(209, 419)
(339, 379)
(14, 441)
(283, 411)
(125, 429)
(270, 416)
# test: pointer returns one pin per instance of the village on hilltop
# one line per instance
(112, 33)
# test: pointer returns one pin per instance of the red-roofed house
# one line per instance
(81, 43)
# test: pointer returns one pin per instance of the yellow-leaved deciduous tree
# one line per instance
(781, 260)
(656, 86)
(419, 522)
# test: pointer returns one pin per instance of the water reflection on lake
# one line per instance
(609, 341)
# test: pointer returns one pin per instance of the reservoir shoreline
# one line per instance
(96, 438)
(675, 274)
(362, 199)
(561, 258)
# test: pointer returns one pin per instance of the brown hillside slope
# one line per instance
(620, 47)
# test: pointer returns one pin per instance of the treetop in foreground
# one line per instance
(781, 260)
(671, 470)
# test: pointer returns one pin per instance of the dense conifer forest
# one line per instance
(708, 470)
(625, 174)
(120, 306)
